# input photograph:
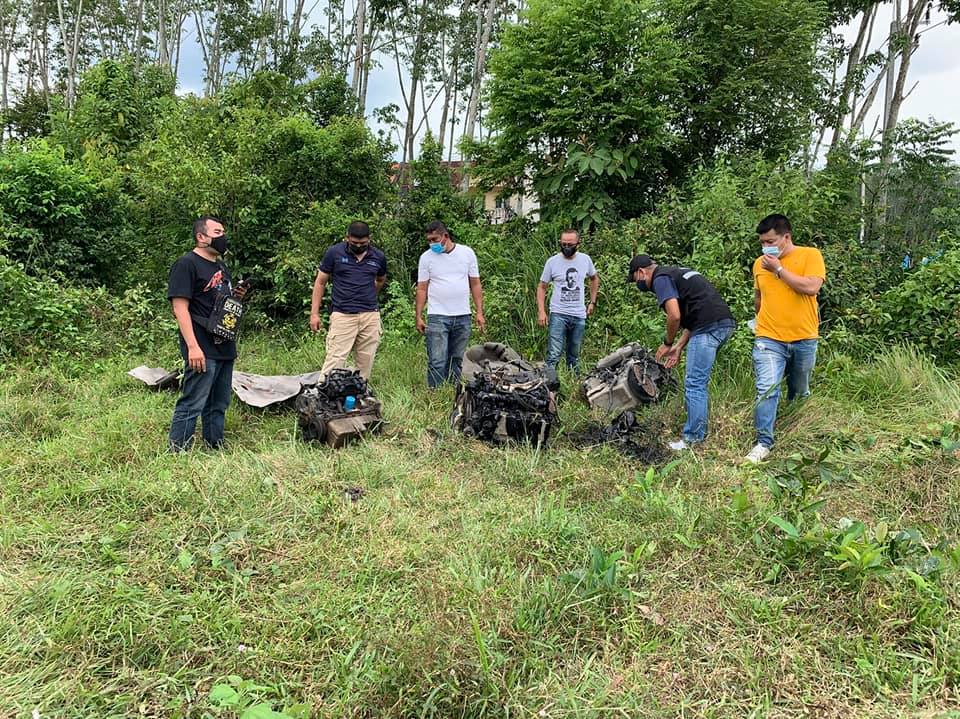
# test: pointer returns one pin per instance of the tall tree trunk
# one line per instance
(848, 89)
(359, 20)
(480, 57)
(71, 47)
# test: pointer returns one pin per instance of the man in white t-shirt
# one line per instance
(568, 272)
(447, 277)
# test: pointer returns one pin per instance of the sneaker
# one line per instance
(757, 454)
(678, 446)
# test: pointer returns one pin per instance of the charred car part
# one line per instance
(626, 378)
(636, 439)
(504, 397)
(323, 411)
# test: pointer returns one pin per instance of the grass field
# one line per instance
(471, 581)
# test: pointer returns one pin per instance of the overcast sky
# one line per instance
(935, 68)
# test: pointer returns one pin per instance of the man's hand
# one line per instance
(421, 325)
(590, 308)
(671, 358)
(481, 322)
(542, 319)
(771, 263)
(196, 359)
(662, 352)
(316, 323)
(239, 292)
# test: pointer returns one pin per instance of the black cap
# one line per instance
(637, 263)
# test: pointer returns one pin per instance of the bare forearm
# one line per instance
(594, 288)
(541, 298)
(420, 300)
(673, 325)
(801, 283)
(476, 291)
(318, 289)
(181, 310)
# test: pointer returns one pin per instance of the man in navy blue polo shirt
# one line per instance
(358, 271)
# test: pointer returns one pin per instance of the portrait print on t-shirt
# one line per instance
(568, 277)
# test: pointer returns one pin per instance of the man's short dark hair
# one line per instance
(778, 223)
(437, 226)
(200, 224)
(359, 230)
(571, 231)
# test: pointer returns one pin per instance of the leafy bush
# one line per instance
(54, 217)
(43, 317)
(925, 308)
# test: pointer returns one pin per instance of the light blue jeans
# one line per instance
(772, 361)
(205, 395)
(447, 337)
(565, 332)
(701, 354)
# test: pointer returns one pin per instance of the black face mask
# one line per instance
(642, 285)
(219, 244)
(356, 249)
(568, 251)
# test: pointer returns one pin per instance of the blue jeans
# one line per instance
(447, 338)
(701, 353)
(206, 395)
(772, 361)
(565, 331)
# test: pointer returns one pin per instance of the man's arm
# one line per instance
(476, 291)
(195, 357)
(669, 348)
(802, 284)
(541, 303)
(756, 300)
(319, 286)
(418, 305)
(672, 310)
(379, 282)
(594, 289)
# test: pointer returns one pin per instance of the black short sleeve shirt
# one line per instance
(200, 281)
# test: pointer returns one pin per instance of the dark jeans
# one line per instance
(206, 395)
(447, 338)
(565, 332)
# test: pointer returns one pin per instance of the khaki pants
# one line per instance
(360, 333)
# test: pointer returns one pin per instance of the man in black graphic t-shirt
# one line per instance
(195, 282)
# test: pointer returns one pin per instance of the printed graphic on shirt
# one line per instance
(216, 282)
(571, 287)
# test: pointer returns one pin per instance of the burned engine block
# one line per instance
(322, 413)
(626, 378)
(504, 398)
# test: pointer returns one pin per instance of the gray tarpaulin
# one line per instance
(259, 390)
(256, 390)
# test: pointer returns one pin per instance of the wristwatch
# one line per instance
(778, 271)
(667, 344)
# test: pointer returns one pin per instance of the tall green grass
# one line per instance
(469, 580)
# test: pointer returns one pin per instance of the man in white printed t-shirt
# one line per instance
(568, 272)
(447, 277)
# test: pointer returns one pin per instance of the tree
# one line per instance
(582, 100)
(603, 105)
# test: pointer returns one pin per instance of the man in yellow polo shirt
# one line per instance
(786, 281)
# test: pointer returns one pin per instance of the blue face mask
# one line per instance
(436, 247)
(773, 250)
